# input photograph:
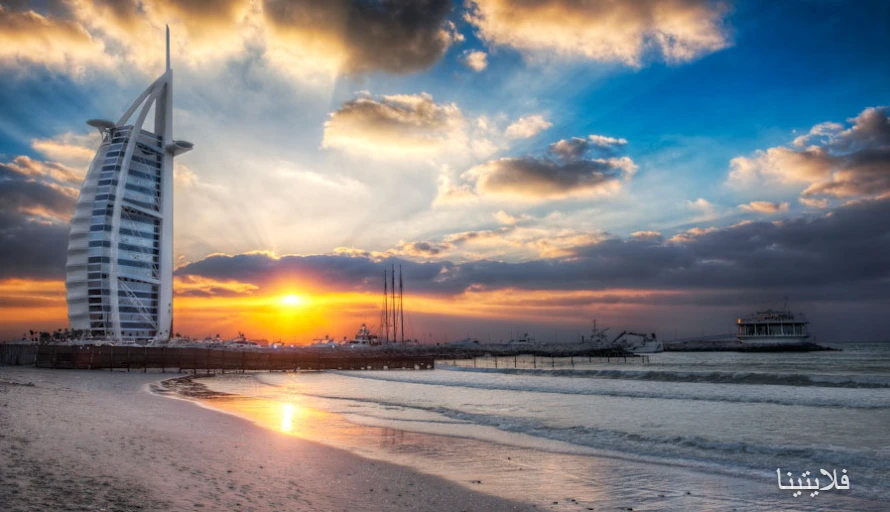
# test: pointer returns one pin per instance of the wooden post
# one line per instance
(111, 360)
(495, 361)
(535, 361)
(514, 360)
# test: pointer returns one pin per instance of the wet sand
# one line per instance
(82, 440)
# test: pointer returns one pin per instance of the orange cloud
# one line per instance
(764, 207)
(676, 30)
(65, 45)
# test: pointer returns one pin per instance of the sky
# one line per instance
(531, 165)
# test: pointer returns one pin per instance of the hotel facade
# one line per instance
(119, 271)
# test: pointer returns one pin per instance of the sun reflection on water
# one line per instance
(287, 417)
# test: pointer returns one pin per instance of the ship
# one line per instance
(630, 341)
(363, 338)
(771, 327)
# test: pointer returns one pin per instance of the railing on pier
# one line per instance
(108, 357)
(542, 362)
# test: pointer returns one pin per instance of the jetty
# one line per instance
(194, 359)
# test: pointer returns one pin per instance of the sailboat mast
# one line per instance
(401, 305)
(395, 325)
(385, 310)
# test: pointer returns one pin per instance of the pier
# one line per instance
(136, 358)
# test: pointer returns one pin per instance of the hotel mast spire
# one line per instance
(168, 47)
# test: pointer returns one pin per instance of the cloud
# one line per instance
(814, 203)
(707, 210)
(537, 178)
(510, 220)
(394, 125)
(646, 235)
(352, 36)
(568, 175)
(831, 160)
(70, 149)
(475, 60)
(526, 127)
(27, 37)
(198, 286)
(790, 257)
(35, 204)
(307, 40)
(629, 32)
(576, 147)
(764, 207)
(450, 193)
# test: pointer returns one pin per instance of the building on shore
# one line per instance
(119, 271)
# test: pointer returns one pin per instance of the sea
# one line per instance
(686, 431)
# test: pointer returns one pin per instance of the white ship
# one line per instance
(639, 343)
(772, 328)
(629, 341)
(363, 338)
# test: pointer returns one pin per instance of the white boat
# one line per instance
(629, 341)
(598, 337)
(363, 338)
(639, 343)
(325, 342)
(525, 339)
(772, 328)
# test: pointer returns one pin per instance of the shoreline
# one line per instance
(79, 440)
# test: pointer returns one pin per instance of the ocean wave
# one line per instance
(713, 377)
(762, 395)
(687, 450)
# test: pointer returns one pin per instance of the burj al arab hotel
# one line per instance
(120, 249)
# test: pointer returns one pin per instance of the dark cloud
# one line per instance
(565, 172)
(396, 36)
(33, 231)
(576, 147)
(842, 254)
(542, 178)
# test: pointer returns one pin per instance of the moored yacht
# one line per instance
(772, 328)
(363, 338)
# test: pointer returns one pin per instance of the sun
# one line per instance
(292, 300)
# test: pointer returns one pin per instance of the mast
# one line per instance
(395, 325)
(401, 305)
(385, 310)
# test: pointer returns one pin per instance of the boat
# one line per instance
(638, 343)
(630, 341)
(363, 338)
(598, 337)
(325, 342)
(771, 327)
(525, 339)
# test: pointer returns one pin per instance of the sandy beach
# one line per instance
(79, 440)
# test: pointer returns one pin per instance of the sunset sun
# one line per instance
(292, 300)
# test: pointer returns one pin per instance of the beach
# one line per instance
(81, 440)
(697, 431)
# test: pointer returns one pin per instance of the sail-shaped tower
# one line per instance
(119, 272)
